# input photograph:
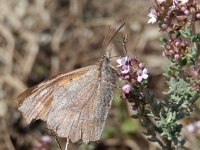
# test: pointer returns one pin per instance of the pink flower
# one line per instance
(177, 43)
(198, 15)
(176, 56)
(124, 64)
(127, 77)
(122, 61)
(193, 126)
(153, 16)
(171, 52)
(194, 73)
(126, 88)
(141, 65)
(46, 139)
(164, 54)
(125, 69)
(186, 12)
(190, 128)
(142, 74)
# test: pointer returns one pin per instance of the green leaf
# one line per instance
(149, 112)
(196, 38)
(167, 71)
(169, 116)
(172, 83)
(191, 56)
(183, 61)
(182, 86)
(163, 40)
(187, 33)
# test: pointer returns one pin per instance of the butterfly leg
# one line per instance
(58, 143)
(67, 143)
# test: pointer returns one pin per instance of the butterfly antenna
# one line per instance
(104, 46)
(114, 35)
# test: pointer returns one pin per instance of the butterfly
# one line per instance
(74, 105)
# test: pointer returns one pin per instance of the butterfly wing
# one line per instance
(36, 102)
(74, 105)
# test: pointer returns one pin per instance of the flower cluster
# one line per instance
(177, 19)
(175, 48)
(173, 15)
(132, 72)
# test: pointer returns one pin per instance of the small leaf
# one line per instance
(169, 117)
(183, 61)
(196, 38)
(149, 112)
(187, 33)
(163, 40)
(172, 83)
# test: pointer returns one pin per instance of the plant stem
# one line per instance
(196, 45)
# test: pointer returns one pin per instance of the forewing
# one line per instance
(74, 105)
(36, 102)
(80, 109)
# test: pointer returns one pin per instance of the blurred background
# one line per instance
(42, 38)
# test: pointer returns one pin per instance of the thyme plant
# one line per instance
(176, 18)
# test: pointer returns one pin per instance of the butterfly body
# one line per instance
(74, 105)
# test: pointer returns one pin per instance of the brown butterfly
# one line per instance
(74, 105)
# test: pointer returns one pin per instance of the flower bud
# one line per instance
(198, 15)
(164, 26)
(186, 12)
(171, 52)
(141, 65)
(177, 43)
(126, 88)
(183, 9)
(176, 56)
